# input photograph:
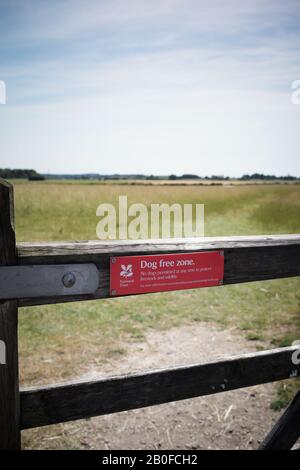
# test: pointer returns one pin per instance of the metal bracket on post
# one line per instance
(20, 282)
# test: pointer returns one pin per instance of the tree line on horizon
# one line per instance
(33, 175)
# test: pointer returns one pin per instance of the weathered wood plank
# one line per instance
(287, 429)
(40, 250)
(66, 402)
(246, 258)
(9, 383)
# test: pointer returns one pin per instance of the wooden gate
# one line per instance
(50, 266)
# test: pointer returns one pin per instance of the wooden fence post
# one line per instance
(287, 429)
(10, 435)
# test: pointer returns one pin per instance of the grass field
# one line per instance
(62, 341)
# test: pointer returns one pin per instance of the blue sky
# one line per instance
(160, 86)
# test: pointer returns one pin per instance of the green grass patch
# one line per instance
(59, 341)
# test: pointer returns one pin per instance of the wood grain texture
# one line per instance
(66, 402)
(122, 247)
(287, 429)
(246, 258)
(9, 383)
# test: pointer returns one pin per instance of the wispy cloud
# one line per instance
(158, 79)
(66, 48)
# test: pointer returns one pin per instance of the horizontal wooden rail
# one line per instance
(66, 402)
(246, 258)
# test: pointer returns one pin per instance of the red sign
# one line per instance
(157, 273)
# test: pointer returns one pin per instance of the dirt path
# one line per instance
(230, 420)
